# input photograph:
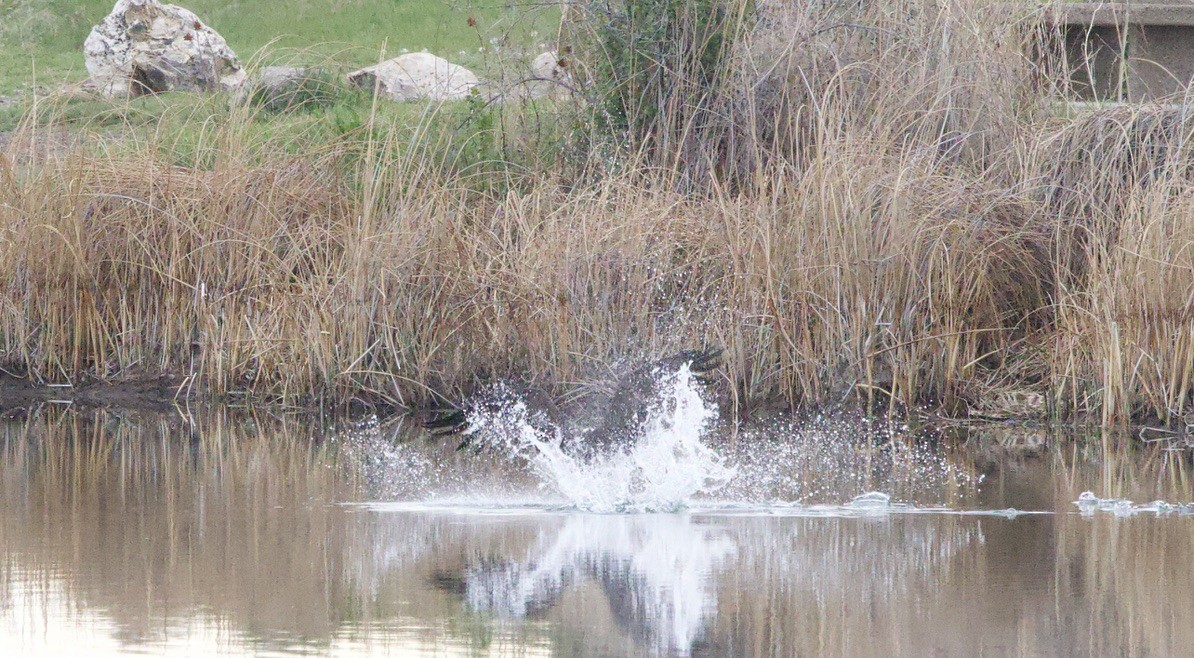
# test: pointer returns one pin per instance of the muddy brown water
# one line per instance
(138, 533)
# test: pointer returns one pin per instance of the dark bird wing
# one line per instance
(624, 413)
(637, 390)
(446, 422)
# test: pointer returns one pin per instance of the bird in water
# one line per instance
(616, 419)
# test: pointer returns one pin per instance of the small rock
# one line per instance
(84, 90)
(549, 66)
(279, 78)
(549, 76)
(145, 46)
(417, 76)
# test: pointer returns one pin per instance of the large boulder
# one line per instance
(144, 46)
(417, 76)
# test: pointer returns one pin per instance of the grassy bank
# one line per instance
(862, 208)
(41, 41)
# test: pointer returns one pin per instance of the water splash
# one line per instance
(683, 458)
(832, 458)
(387, 469)
(662, 471)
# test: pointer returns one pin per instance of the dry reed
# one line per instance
(873, 210)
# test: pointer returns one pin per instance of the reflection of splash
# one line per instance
(669, 581)
(656, 573)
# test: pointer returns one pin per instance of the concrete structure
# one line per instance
(1129, 50)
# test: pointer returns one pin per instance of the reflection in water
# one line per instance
(132, 534)
(660, 581)
(656, 574)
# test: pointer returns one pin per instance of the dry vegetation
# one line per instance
(874, 203)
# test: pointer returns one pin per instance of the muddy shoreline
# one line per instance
(159, 393)
(169, 394)
(166, 394)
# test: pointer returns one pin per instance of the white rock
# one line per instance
(548, 77)
(276, 80)
(280, 77)
(145, 46)
(547, 67)
(417, 76)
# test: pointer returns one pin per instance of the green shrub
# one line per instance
(316, 89)
(657, 64)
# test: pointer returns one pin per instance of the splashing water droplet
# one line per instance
(662, 471)
(871, 500)
(681, 458)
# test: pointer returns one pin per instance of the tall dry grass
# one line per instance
(1119, 193)
(864, 207)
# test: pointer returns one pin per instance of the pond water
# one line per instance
(228, 534)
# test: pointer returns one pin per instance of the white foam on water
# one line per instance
(1089, 504)
(663, 471)
(871, 500)
(694, 509)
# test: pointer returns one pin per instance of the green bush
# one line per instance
(657, 64)
(316, 89)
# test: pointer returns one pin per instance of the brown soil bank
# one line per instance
(18, 395)
(879, 216)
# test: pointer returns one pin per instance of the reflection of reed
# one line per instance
(1132, 579)
(153, 517)
(1129, 576)
(161, 526)
(1116, 468)
(839, 586)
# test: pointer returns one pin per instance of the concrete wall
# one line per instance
(1157, 39)
(1093, 58)
(1160, 60)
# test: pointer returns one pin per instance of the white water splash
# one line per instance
(665, 469)
(682, 459)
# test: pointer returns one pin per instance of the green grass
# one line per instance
(41, 44)
(41, 41)
(489, 145)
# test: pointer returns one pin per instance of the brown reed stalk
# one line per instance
(868, 210)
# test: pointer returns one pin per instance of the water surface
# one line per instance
(225, 535)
